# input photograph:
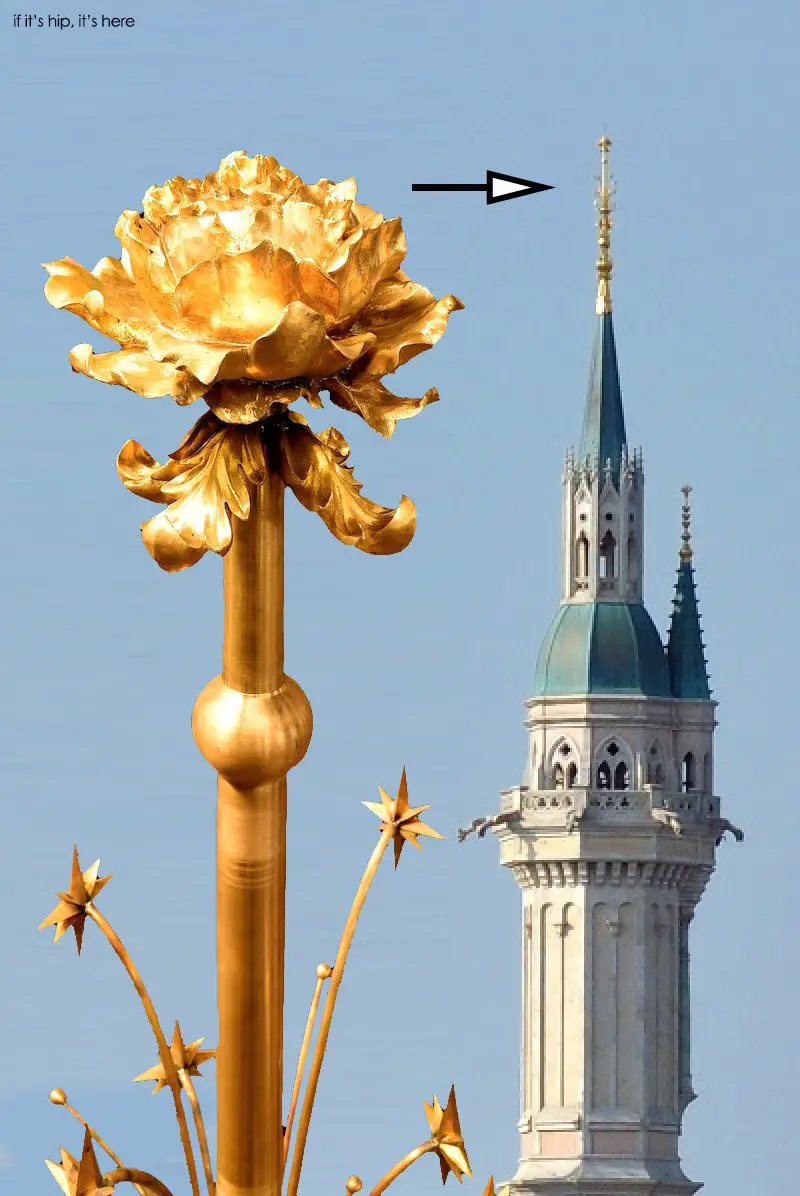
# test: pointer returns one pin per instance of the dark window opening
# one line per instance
(582, 556)
(608, 557)
(621, 775)
(688, 776)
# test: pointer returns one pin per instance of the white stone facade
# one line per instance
(610, 875)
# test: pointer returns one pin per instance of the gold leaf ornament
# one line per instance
(207, 480)
(314, 468)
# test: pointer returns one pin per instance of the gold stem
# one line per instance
(400, 1167)
(164, 1053)
(140, 1179)
(94, 1134)
(330, 1002)
(301, 1063)
(252, 644)
(252, 723)
(199, 1125)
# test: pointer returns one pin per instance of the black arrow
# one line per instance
(497, 186)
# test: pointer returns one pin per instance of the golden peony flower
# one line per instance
(251, 277)
(251, 289)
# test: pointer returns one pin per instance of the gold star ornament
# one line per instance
(71, 909)
(187, 1057)
(403, 820)
(79, 1178)
(446, 1133)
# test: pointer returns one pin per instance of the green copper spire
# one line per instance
(685, 651)
(603, 436)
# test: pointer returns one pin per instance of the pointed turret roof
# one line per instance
(686, 657)
(603, 437)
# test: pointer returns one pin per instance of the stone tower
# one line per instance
(612, 834)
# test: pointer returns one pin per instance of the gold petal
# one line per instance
(313, 467)
(146, 263)
(296, 346)
(142, 474)
(407, 320)
(206, 482)
(249, 402)
(166, 546)
(89, 1179)
(236, 296)
(62, 913)
(64, 1172)
(136, 370)
(373, 257)
(105, 297)
(376, 405)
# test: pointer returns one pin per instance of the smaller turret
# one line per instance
(685, 649)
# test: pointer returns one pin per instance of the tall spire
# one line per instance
(685, 650)
(603, 438)
(604, 203)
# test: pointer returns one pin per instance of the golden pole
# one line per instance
(299, 307)
(252, 723)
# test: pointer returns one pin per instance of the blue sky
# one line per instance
(423, 659)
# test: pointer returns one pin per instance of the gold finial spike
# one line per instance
(604, 202)
(686, 516)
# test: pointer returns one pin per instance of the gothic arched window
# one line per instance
(613, 771)
(631, 555)
(608, 557)
(582, 557)
(688, 775)
(654, 771)
(564, 770)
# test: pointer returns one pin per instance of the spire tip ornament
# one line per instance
(686, 519)
(604, 202)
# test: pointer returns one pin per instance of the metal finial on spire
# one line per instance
(604, 202)
(686, 517)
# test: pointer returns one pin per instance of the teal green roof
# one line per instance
(685, 651)
(603, 434)
(602, 647)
